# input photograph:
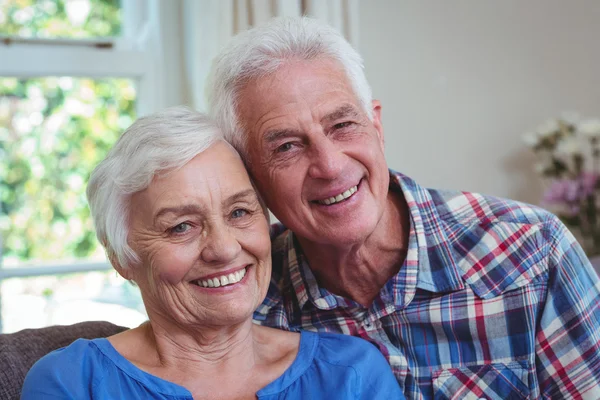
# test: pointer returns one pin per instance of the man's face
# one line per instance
(315, 155)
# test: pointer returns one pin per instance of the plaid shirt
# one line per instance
(495, 300)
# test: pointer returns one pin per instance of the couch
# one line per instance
(20, 350)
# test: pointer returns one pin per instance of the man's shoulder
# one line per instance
(469, 208)
(498, 244)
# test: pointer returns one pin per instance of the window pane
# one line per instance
(60, 18)
(53, 132)
(68, 299)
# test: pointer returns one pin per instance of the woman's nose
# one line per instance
(220, 245)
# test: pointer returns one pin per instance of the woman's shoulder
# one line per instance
(71, 366)
(339, 366)
(345, 349)
(374, 377)
(76, 352)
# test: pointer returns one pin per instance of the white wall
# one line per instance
(460, 81)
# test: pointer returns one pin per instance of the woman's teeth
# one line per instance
(224, 280)
(339, 197)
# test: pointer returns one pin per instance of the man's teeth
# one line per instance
(339, 197)
(223, 280)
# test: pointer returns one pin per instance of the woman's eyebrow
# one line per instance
(242, 195)
(178, 210)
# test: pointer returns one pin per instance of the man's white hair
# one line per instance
(261, 51)
(159, 143)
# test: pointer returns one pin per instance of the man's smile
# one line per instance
(339, 197)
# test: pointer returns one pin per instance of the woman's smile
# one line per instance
(222, 280)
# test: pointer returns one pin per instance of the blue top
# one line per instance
(328, 366)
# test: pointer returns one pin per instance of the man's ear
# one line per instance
(376, 111)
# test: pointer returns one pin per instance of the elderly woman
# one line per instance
(178, 215)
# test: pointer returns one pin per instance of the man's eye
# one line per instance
(239, 213)
(342, 125)
(285, 147)
(181, 228)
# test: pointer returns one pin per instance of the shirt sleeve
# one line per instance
(568, 333)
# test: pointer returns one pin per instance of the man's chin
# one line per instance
(344, 234)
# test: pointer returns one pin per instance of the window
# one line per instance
(74, 74)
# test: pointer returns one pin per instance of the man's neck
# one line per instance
(360, 270)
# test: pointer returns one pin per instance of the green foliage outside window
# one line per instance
(53, 132)
(60, 18)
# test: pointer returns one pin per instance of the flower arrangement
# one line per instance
(568, 158)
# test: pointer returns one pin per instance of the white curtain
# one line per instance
(208, 24)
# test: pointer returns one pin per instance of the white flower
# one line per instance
(568, 147)
(590, 128)
(570, 117)
(548, 128)
(531, 139)
(540, 168)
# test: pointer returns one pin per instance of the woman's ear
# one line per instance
(125, 272)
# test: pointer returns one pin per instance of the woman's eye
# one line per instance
(181, 228)
(342, 125)
(239, 213)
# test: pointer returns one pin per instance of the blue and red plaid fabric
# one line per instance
(495, 300)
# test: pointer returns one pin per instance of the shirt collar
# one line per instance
(430, 252)
(304, 282)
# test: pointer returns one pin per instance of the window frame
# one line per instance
(137, 55)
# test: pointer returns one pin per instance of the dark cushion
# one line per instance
(20, 350)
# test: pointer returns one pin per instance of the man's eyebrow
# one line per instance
(178, 210)
(241, 196)
(341, 112)
(276, 134)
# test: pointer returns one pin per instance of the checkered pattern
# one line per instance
(495, 300)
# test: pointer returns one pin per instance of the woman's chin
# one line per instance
(227, 313)
(228, 318)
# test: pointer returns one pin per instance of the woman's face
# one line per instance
(203, 240)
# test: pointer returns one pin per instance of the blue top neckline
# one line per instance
(306, 352)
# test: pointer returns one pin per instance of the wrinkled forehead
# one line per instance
(292, 77)
(315, 87)
(216, 170)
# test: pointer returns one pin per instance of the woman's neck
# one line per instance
(200, 348)
(228, 362)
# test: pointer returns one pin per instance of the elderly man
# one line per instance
(467, 296)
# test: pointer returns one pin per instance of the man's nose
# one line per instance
(327, 159)
(220, 245)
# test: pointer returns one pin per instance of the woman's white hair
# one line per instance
(261, 51)
(159, 143)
